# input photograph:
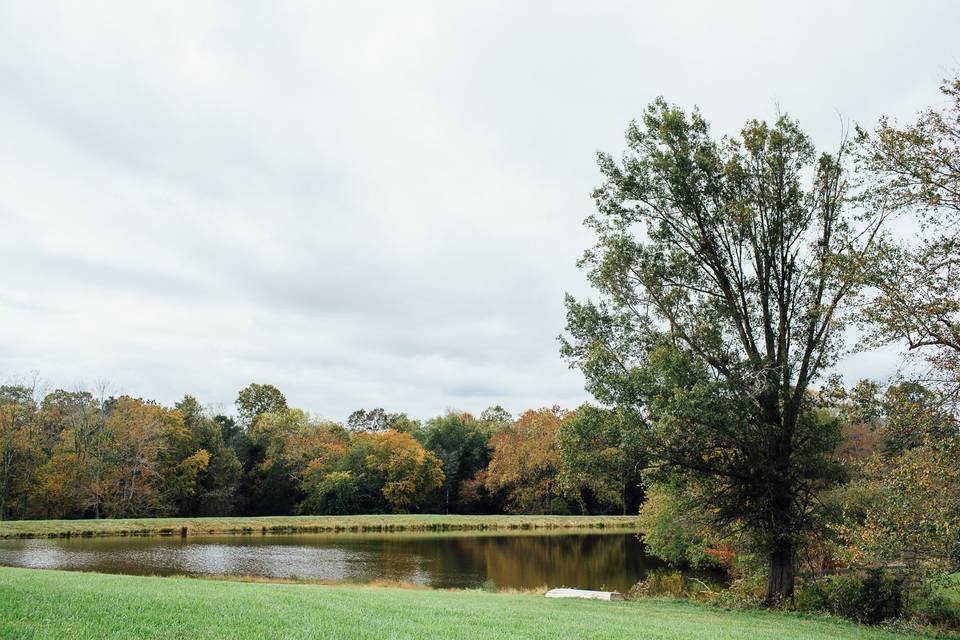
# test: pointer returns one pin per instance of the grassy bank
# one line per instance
(37, 604)
(300, 524)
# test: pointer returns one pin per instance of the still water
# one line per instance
(584, 561)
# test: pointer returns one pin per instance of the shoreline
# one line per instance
(285, 525)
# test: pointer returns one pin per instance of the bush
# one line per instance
(813, 597)
(869, 598)
(744, 592)
(665, 583)
(675, 529)
(930, 608)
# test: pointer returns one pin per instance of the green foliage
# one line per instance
(871, 598)
(496, 418)
(257, 399)
(217, 482)
(379, 420)
(914, 170)
(601, 455)
(675, 528)
(903, 504)
(330, 493)
(711, 440)
(725, 270)
(462, 444)
(929, 607)
(902, 416)
(877, 596)
(914, 510)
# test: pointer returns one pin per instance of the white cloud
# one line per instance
(373, 204)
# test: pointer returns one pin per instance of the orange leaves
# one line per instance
(525, 462)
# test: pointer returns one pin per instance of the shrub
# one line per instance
(660, 584)
(813, 597)
(675, 529)
(870, 598)
(745, 592)
(928, 607)
(665, 583)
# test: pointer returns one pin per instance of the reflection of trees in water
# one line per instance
(384, 559)
(590, 561)
(575, 561)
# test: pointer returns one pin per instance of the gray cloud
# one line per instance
(378, 204)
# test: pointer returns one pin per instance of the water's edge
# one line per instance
(216, 527)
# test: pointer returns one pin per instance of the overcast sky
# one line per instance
(371, 204)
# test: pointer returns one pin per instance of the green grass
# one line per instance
(950, 588)
(300, 524)
(38, 604)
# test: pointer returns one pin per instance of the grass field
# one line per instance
(300, 524)
(37, 604)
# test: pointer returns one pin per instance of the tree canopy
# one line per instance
(725, 270)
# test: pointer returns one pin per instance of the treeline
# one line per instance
(76, 454)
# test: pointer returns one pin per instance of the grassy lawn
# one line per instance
(301, 524)
(55, 604)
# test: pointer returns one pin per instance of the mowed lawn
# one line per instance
(56, 604)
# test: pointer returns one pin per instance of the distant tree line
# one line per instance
(80, 454)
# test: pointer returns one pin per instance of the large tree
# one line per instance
(915, 170)
(73, 421)
(725, 269)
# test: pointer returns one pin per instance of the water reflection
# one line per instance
(612, 561)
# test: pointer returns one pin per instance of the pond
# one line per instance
(584, 561)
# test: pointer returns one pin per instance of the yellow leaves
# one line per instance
(197, 463)
(410, 471)
(189, 470)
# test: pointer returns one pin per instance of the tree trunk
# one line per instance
(780, 575)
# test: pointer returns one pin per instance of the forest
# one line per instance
(76, 454)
